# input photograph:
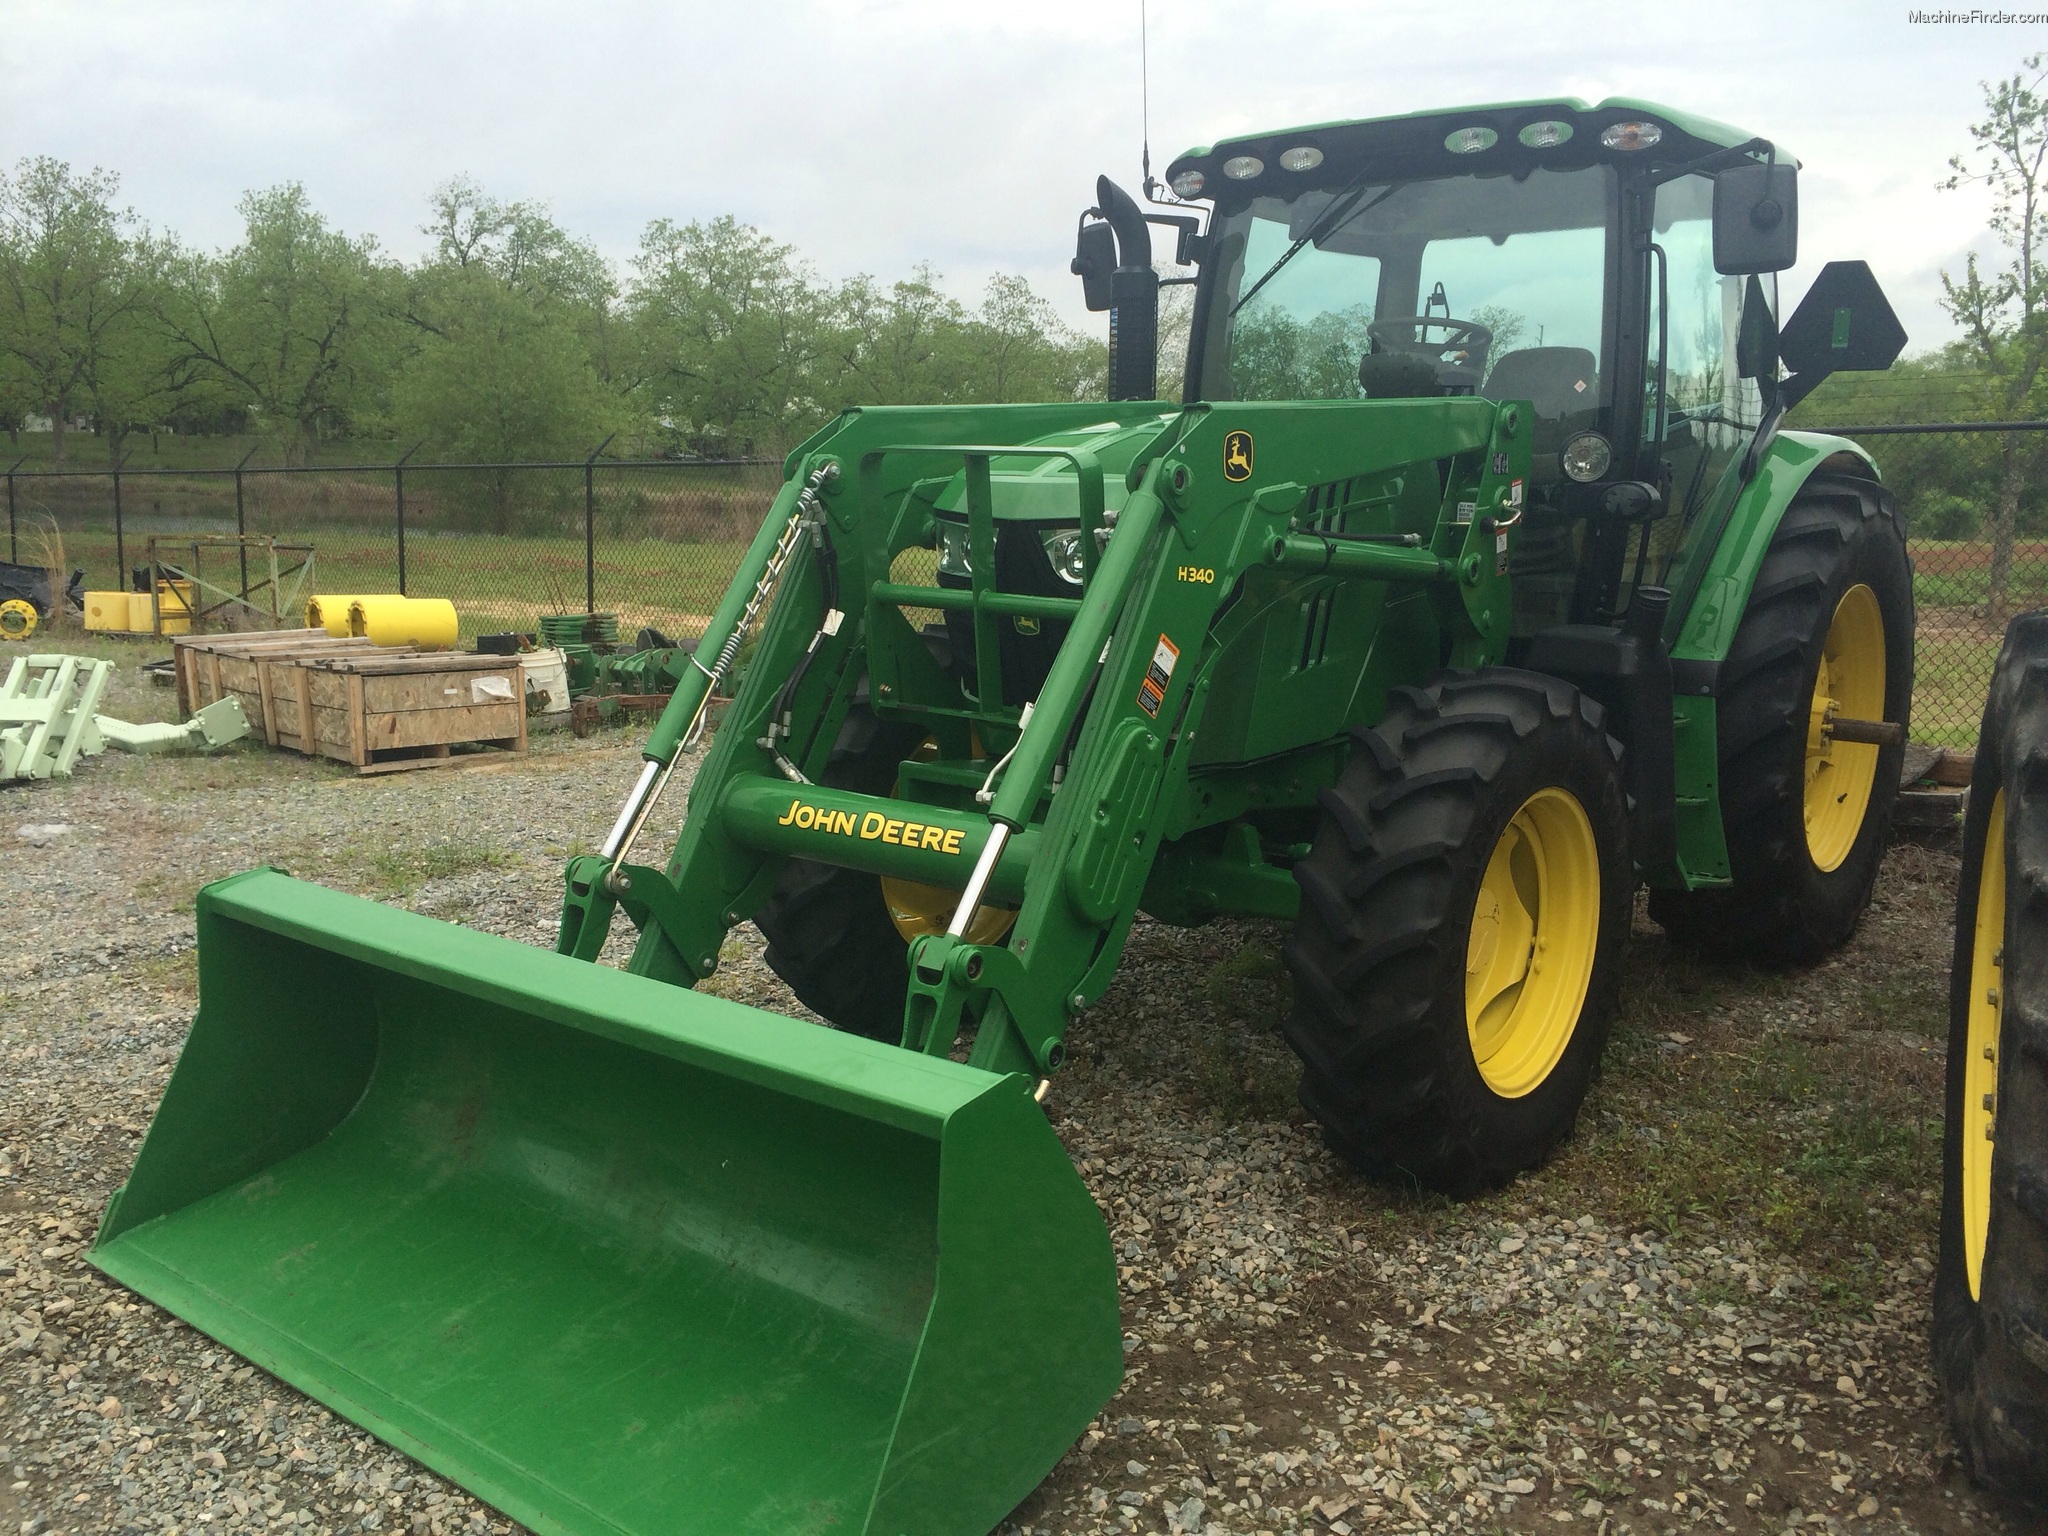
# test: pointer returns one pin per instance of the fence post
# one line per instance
(398, 477)
(590, 526)
(120, 543)
(13, 554)
(242, 529)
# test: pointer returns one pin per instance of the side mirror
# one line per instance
(1756, 218)
(1094, 263)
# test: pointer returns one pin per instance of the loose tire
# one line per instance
(1991, 1289)
(1464, 908)
(828, 929)
(1829, 623)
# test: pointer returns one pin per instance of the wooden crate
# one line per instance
(383, 712)
(214, 667)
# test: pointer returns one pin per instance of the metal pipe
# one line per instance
(1876, 733)
(977, 883)
(13, 553)
(1315, 554)
(242, 530)
(120, 540)
(648, 773)
(590, 526)
(398, 479)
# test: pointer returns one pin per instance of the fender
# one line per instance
(1711, 582)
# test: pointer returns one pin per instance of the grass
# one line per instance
(1782, 1105)
(1243, 1070)
(403, 870)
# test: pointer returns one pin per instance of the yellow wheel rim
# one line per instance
(1980, 1065)
(1850, 684)
(17, 619)
(1529, 956)
(920, 909)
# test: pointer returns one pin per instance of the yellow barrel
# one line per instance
(107, 610)
(427, 622)
(330, 612)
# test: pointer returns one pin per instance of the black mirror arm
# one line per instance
(1719, 160)
(1782, 395)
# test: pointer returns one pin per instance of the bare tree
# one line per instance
(2005, 315)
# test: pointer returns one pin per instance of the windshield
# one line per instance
(1509, 272)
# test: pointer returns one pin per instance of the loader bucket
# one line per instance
(615, 1256)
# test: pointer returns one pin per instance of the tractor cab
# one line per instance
(1561, 254)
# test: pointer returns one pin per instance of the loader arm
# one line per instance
(1385, 521)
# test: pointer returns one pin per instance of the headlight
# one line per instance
(1243, 167)
(1587, 457)
(1632, 136)
(953, 559)
(1063, 549)
(1189, 184)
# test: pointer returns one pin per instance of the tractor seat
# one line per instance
(1558, 381)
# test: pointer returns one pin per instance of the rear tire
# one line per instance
(1802, 876)
(829, 933)
(1991, 1289)
(1478, 825)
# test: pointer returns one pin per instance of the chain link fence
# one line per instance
(656, 542)
(1974, 496)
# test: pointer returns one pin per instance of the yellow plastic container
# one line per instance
(176, 610)
(107, 610)
(330, 612)
(427, 622)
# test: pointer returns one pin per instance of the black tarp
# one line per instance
(32, 582)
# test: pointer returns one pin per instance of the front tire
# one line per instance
(1991, 1288)
(1829, 625)
(1464, 909)
(828, 929)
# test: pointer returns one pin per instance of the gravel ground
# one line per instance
(1709, 1312)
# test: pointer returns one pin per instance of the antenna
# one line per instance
(1145, 96)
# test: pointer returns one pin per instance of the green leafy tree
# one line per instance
(729, 329)
(1024, 351)
(907, 344)
(299, 322)
(530, 255)
(69, 289)
(2004, 315)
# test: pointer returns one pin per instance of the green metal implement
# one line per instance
(617, 1258)
(46, 714)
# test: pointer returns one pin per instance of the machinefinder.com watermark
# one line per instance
(1976, 18)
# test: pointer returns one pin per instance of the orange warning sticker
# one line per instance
(1152, 691)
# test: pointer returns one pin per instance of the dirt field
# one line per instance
(1709, 1313)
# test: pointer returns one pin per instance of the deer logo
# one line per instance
(1237, 456)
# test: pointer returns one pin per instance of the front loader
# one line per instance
(1471, 584)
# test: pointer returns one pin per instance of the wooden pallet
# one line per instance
(385, 712)
(213, 667)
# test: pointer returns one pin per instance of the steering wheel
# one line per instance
(1458, 355)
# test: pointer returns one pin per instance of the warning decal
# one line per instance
(1152, 691)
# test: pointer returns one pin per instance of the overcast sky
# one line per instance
(876, 135)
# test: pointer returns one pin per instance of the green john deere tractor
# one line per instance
(1472, 584)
